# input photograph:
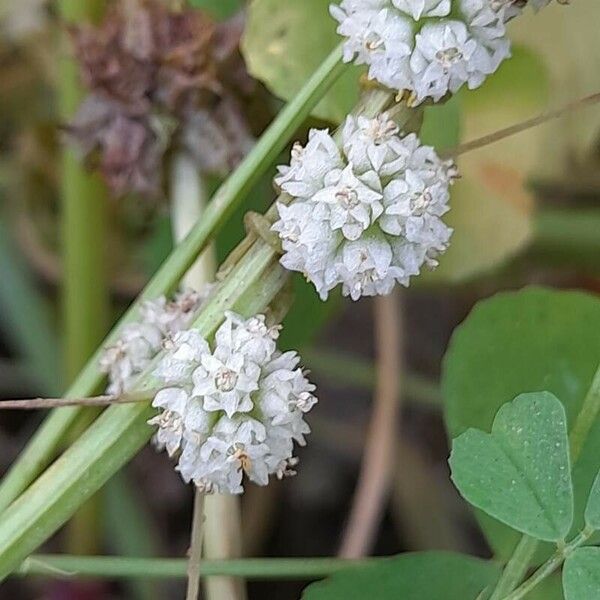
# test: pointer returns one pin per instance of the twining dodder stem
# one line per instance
(376, 469)
(195, 552)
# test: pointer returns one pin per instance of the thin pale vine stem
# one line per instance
(549, 567)
(111, 567)
(375, 475)
(188, 201)
(525, 549)
(223, 540)
(492, 138)
(222, 524)
(195, 553)
(106, 400)
(376, 469)
(52, 433)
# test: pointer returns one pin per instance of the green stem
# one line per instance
(86, 298)
(51, 434)
(85, 293)
(516, 568)
(586, 418)
(109, 567)
(549, 567)
(86, 301)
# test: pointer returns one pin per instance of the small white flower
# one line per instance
(234, 409)
(446, 56)
(487, 25)
(175, 315)
(184, 351)
(173, 401)
(250, 337)
(370, 230)
(373, 35)
(374, 145)
(226, 383)
(353, 205)
(423, 8)
(309, 165)
(365, 268)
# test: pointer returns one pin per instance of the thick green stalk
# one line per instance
(111, 567)
(116, 436)
(85, 290)
(51, 434)
(86, 301)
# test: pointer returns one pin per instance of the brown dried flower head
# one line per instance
(159, 79)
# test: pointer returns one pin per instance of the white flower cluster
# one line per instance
(427, 47)
(236, 408)
(142, 340)
(365, 217)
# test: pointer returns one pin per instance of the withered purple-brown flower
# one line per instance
(159, 79)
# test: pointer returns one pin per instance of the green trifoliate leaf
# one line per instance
(532, 339)
(423, 576)
(581, 575)
(592, 509)
(520, 473)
